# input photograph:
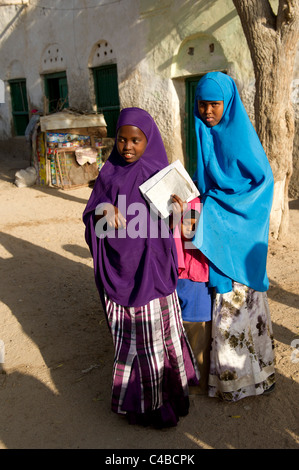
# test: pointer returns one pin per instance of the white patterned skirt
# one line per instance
(242, 352)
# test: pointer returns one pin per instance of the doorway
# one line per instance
(56, 91)
(107, 98)
(191, 145)
(19, 105)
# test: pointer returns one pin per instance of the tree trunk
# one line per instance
(272, 41)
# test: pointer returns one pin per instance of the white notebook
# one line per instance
(174, 179)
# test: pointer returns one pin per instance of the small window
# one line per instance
(19, 105)
(56, 91)
(107, 98)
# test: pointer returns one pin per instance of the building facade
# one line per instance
(103, 55)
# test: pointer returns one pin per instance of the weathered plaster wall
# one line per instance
(150, 42)
(74, 28)
(145, 37)
(171, 28)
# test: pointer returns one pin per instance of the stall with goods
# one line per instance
(67, 148)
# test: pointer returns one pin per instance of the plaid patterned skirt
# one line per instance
(153, 362)
(242, 355)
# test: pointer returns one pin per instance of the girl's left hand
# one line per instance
(178, 207)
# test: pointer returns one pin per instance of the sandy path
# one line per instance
(55, 386)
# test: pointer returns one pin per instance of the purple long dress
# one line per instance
(136, 278)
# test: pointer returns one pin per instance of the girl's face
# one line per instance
(188, 227)
(131, 143)
(210, 112)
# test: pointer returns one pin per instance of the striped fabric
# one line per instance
(150, 347)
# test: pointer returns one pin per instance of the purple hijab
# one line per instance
(132, 271)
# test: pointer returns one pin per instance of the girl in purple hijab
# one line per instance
(135, 266)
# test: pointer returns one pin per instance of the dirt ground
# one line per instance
(56, 375)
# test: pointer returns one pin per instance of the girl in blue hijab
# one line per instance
(236, 185)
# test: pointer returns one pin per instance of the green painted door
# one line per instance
(191, 146)
(63, 92)
(19, 105)
(107, 98)
(56, 91)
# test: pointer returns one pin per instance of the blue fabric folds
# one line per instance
(195, 300)
(235, 180)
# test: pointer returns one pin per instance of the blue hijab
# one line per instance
(235, 180)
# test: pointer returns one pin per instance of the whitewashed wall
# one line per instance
(156, 44)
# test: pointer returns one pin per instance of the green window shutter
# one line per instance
(107, 98)
(19, 105)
